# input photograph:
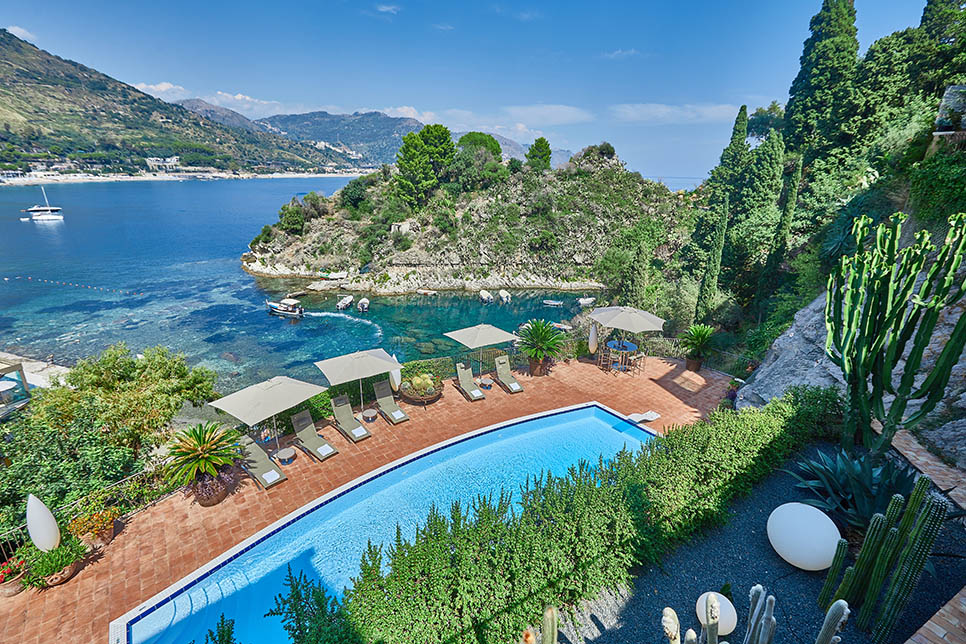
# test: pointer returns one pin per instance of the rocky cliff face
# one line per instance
(798, 357)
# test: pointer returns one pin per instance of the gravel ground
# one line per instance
(739, 553)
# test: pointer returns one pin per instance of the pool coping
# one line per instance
(119, 630)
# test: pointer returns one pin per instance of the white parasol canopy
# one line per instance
(356, 366)
(261, 401)
(627, 318)
(479, 336)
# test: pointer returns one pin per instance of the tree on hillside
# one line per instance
(821, 100)
(709, 280)
(481, 140)
(416, 179)
(734, 158)
(538, 156)
(779, 245)
(754, 214)
(765, 119)
(886, 79)
(941, 46)
(439, 147)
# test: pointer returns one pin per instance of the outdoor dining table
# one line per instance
(624, 349)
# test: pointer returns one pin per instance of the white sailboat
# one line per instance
(45, 212)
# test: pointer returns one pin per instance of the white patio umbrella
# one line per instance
(356, 366)
(592, 340)
(264, 400)
(479, 336)
(41, 525)
(627, 318)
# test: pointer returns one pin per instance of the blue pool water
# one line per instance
(327, 542)
(179, 244)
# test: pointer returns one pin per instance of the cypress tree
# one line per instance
(779, 245)
(821, 104)
(709, 281)
(941, 46)
(734, 158)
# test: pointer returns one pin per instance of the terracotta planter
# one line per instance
(11, 587)
(692, 364)
(208, 500)
(538, 367)
(100, 539)
(415, 399)
(64, 575)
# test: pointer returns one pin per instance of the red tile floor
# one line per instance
(169, 540)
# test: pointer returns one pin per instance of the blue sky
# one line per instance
(660, 80)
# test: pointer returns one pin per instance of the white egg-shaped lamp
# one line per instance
(592, 340)
(727, 615)
(395, 376)
(41, 525)
(803, 535)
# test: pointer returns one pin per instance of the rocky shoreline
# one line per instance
(403, 280)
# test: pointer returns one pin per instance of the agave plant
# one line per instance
(853, 489)
(200, 451)
(540, 341)
(697, 340)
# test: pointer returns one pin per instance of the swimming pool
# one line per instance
(327, 538)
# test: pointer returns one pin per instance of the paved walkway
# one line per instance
(948, 626)
(173, 538)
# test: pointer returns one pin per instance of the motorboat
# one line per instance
(556, 303)
(288, 307)
(363, 305)
(586, 301)
(336, 275)
(45, 212)
(560, 326)
(426, 291)
(345, 303)
(486, 297)
(504, 296)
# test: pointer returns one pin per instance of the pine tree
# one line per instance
(885, 75)
(779, 245)
(941, 46)
(821, 107)
(538, 156)
(439, 147)
(416, 179)
(709, 281)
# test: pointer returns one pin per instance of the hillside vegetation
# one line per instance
(56, 108)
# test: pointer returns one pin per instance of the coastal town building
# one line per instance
(167, 164)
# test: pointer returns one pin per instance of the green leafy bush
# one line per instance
(40, 565)
(937, 185)
(484, 572)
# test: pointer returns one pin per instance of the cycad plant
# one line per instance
(696, 342)
(540, 341)
(199, 457)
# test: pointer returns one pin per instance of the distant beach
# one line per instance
(51, 178)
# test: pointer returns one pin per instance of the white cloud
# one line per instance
(548, 115)
(410, 112)
(256, 108)
(21, 33)
(388, 8)
(618, 54)
(164, 90)
(443, 27)
(665, 114)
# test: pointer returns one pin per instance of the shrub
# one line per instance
(937, 185)
(41, 565)
(354, 193)
(697, 340)
(514, 165)
(540, 340)
(201, 451)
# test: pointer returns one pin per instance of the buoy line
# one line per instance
(41, 280)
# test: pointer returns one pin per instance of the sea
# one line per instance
(158, 263)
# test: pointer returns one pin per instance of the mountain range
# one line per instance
(54, 108)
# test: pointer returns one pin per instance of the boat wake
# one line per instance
(345, 316)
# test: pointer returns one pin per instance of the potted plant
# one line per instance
(201, 459)
(95, 528)
(540, 342)
(696, 342)
(422, 388)
(44, 569)
(11, 573)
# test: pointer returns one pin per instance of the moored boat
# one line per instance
(43, 213)
(426, 291)
(586, 301)
(288, 307)
(561, 326)
(485, 296)
(504, 296)
(363, 305)
(553, 303)
(345, 303)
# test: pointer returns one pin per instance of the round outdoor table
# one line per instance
(486, 383)
(285, 455)
(624, 348)
(369, 415)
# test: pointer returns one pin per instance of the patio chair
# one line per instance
(256, 462)
(386, 405)
(464, 383)
(504, 377)
(345, 422)
(308, 438)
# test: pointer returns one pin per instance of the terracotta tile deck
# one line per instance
(164, 543)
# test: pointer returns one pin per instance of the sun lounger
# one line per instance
(464, 382)
(309, 439)
(504, 377)
(646, 417)
(345, 422)
(387, 406)
(259, 466)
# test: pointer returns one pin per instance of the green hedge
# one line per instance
(483, 573)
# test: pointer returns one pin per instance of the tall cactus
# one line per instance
(825, 596)
(548, 631)
(835, 620)
(877, 301)
(672, 627)
(712, 613)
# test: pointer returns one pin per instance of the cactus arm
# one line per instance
(690, 637)
(713, 612)
(833, 573)
(845, 584)
(756, 606)
(865, 562)
(835, 619)
(672, 627)
(879, 572)
(548, 632)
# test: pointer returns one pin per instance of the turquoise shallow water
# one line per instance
(179, 244)
(328, 542)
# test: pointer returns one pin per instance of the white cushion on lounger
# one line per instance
(358, 431)
(325, 450)
(398, 414)
(270, 477)
(476, 393)
(514, 386)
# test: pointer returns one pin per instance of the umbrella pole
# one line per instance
(275, 431)
(360, 394)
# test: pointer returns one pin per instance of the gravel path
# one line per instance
(739, 553)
